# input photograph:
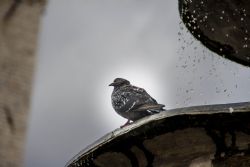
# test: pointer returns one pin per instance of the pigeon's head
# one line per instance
(119, 82)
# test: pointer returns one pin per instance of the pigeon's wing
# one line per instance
(137, 97)
(143, 96)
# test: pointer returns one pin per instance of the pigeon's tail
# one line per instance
(152, 108)
(159, 108)
(146, 110)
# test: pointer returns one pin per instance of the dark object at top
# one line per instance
(132, 102)
(223, 26)
(213, 135)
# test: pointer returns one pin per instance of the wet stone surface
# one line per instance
(223, 26)
(206, 136)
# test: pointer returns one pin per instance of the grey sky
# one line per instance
(85, 44)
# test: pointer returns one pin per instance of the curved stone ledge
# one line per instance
(203, 135)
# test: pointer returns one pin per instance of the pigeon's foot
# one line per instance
(127, 123)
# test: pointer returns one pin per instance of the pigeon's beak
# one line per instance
(112, 84)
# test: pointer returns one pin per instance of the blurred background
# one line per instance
(84, 45)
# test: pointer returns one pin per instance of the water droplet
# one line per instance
(231, 110)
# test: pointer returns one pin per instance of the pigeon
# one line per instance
(132, 102)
